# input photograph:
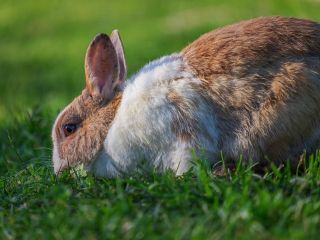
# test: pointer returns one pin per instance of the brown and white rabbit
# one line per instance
(250, 89)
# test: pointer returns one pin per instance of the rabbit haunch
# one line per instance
(263, 78)
(249, 89)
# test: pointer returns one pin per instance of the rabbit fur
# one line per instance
(250, 89)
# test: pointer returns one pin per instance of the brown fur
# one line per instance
(101, 66)
(263, 79)
(94, 118)
(94, 110)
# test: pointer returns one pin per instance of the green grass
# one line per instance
(42, 46)
(34, 204)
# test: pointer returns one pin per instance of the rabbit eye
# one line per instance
(69, 128)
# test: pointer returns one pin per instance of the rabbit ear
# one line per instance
(101, 67)
(117, 43)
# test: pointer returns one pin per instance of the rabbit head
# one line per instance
(80, 129)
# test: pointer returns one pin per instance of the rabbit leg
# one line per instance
(179, 157)
(103, 166)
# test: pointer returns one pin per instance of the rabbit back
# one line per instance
(262, 77)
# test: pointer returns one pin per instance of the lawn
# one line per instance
(42, 46)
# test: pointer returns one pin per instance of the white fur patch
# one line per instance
(103, 166)
(58, 163)
(142, 128)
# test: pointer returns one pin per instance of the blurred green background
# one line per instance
(42, 43)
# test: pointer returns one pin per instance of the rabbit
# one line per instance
(249, 90)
